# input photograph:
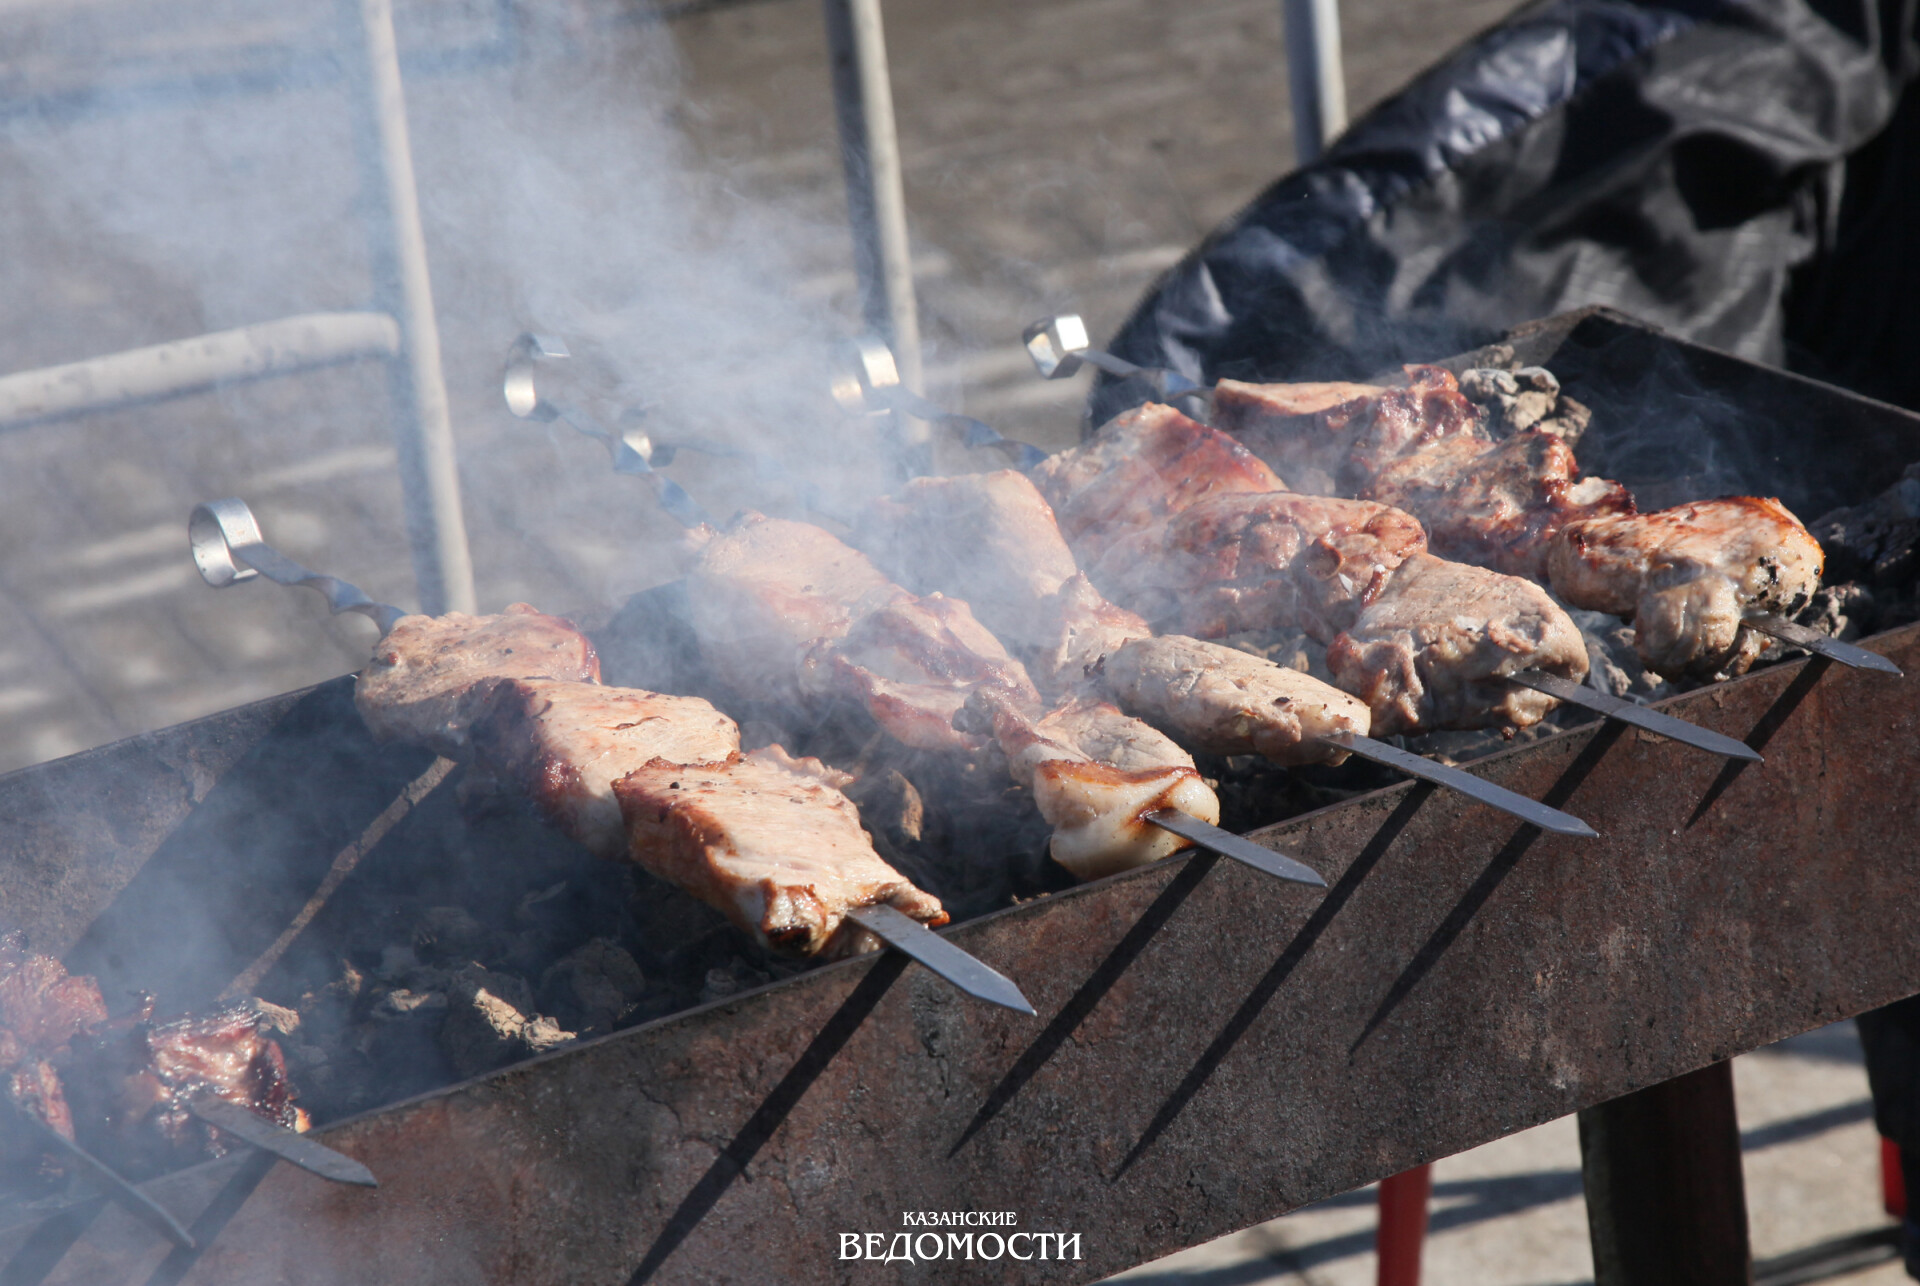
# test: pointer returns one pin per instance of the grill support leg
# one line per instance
(1666, 1205)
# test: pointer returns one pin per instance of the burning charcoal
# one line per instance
(1525, 398)
(736, 977)
(450, 935)
(1877, 542)
(1614, 666)
(595, 986)
(489, 1025)
(1846, 611)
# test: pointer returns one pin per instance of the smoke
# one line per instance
(180, 169)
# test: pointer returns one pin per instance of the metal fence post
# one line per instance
(423, 429)
(876, 199)
(1315, 81)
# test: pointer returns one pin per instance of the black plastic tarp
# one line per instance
(1746, 175)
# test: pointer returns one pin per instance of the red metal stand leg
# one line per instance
(1893, 1184)
(1403, 1225)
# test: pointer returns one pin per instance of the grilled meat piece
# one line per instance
(1223, 701)
(1431, 649)
(992, 539)
(131, 1083)
(1497, 504)
(426, 680)
(1686, 576)
(565, 744)
(1303, 431)
(765, 590)
(911, 662)
(1332, 438)
(1424, 449)
(771, 842)
(788, 613)
(989, 538)
(1141, 468)
(994, 535)
(1252, 561)
(42, 1008)
(1094, 772)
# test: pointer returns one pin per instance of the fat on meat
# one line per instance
(771, 842)
(1222, 701)
(1094, 773)
(565, 744)
(1686, 576)
(428, 676)
(1433, 648)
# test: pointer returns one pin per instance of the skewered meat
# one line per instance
(1496, 504)
(131, 1083)
(121, 1088)
(765, 590)
(42, 1008)
(1430, 651)
(1143, 467)
(1333, 437)
(425, 683)
(1686, 576)
(565, 744)
(1252, 561)
(915, 663)
(1424, 449)
(1094, 772)
(994, 535)
(992, 539)
(771, 834)
(1223, 701)
(788, 613)
(1353, 574)
(770, 841)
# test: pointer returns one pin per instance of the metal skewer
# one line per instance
(131, 1199)
(1527, 810)
(228, 549)
(297, 1149)
(1058, 345)
(1814, 641)
(1237, 847)
(1663, 725)
(873, 383)
(532, 397)
(906, 934)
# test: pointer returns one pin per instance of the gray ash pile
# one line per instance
(1873, 561)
